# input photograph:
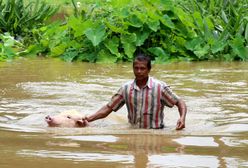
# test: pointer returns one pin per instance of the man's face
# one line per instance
(140, 70)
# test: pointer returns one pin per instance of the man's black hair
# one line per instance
(143, 57)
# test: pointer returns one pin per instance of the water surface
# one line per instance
(216, 127)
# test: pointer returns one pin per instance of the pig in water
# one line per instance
(66, 119)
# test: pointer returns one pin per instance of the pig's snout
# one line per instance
(48, 119)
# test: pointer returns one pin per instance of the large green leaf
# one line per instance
(8, 52)
(112, 45)
(157, 51)
(106, 57)
(161, 55)
(151, 11)
(201, 51)
(183, 30)
(58, 50)
(239, 48)
(79, 26)
(128, 42)
(198, 20)
(116, 29)
(88, 56)
(154, 25)
(185, 18)
(75, 44)
(218, 46)
(141, 15)
(128, 38)
(180, 43)
(141, 37)
(166, 5)
(246, 32)
(33, 50)
(69, 55)
(123, 12)
(129, 49)
(209, 23)
(96, 35)
(198, 46)
(135, 21)
(166, 20)
(191, 45)
(120, 3)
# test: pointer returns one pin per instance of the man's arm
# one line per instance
(101, 113)
(182, 109)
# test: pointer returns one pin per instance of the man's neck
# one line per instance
(142, 83)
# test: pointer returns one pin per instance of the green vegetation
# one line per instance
(113, 30)
(17, 20)
(221, 27)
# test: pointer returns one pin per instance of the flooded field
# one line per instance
(216, 133)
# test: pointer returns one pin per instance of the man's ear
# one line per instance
(82, 123)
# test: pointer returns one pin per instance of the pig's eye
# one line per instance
(69, 117)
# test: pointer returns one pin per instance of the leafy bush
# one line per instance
(9, 48)
(18, 19)
(221, 27)
(168, 30)
(113, 30)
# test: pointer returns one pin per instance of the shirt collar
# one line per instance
(148, 84)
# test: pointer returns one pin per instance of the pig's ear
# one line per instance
(82, 123)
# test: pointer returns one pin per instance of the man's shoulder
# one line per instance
(128, 83)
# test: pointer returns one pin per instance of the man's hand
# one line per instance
(180, 124)
(83, 122)
(182, 109)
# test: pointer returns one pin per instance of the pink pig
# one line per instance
(66, 119)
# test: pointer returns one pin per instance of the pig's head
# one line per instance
(66, 119)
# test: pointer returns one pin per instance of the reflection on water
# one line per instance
(197, 141)
(78, 156)
(178, 160)
(215, 135)
(97, 138)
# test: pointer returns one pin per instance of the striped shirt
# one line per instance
(145, 106)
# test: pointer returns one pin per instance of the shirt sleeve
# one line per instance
(168, 97)
(117, 101)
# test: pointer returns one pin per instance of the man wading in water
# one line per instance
(145, 98)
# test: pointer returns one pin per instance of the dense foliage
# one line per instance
(221, 27)
(168, 30)
(17, 20)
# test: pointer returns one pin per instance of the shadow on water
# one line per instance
(216, 134)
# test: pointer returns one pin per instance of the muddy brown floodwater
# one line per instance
(216, 133)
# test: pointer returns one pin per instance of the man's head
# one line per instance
(142, 57)
(141, 66)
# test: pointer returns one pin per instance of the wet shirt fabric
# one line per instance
(145, 105)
